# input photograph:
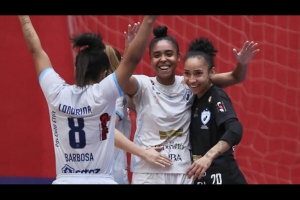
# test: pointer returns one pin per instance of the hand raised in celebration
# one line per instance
(246, 53)
(131, 33)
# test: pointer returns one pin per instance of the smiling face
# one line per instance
(197, 75)
(164, 60)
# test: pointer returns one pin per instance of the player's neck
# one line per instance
(166, 81)
(200, 94)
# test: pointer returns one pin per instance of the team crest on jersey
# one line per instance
(205, 117)
(187, 94)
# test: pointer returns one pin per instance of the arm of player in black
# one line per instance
(238, 75)
(150, 155)
(40, 58)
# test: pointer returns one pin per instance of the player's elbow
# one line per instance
(234, 132)
(35, 48)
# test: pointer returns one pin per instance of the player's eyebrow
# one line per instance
(165, 51)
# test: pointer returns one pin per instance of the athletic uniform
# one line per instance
(83, 123)
(209, 116)
(124, 126)
(163, 118)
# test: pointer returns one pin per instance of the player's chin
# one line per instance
(195, 90)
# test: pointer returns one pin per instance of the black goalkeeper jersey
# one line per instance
(206, 129)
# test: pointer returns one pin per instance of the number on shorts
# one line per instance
(217, 178)
(76, 129)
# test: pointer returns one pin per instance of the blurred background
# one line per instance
(266, 102)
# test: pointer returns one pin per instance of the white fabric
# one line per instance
(124, 126)
(83, 123)
(163, 118)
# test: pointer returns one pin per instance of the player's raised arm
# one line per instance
(40, 58)
(238, 75)
(135, 51)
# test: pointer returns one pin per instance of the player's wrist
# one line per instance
(242, 64)
(143, 154)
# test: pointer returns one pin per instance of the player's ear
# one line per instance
(178, 57)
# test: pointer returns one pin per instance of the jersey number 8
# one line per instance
(81, 142)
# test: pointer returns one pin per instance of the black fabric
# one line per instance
(211, 115)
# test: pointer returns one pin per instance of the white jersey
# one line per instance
(163, 118)
(82, 121)
(124, 126)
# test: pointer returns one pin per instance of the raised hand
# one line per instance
(152, 17)
(153, 156)
(132, 31)
(246, 53)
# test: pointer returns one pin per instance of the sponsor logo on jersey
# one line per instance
(67, 169)
(164, 135)
(171, 145)
(221, 107)
(175, 157)
(205, 117)
(104, 118)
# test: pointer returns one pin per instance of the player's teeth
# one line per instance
(164, 67)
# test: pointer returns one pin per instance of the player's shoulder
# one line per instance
(141, 76)
(217, 91)
(144, 79)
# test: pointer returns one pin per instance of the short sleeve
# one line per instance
(120, 104)
(108, 89)
(138, 93)
(51, 83)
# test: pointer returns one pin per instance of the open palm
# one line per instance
(245, 55)
(132, 31)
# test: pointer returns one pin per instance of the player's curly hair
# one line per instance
(202, 47)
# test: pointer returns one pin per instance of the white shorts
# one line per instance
(84, 179)
(141, 178)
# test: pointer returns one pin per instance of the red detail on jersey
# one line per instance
(152, 82)
(104, 118)
(221, 107)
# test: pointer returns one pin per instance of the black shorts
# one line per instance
(228, 173)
